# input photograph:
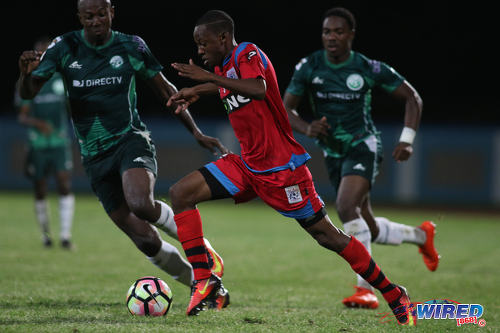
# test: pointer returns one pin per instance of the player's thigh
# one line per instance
(106, 183)
(290, 192)
(228, 177)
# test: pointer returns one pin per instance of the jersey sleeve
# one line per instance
(143, 61)
(251, 62)
(298, 83)
(50, 59)
(385, 76)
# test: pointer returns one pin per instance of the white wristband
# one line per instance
(408, 135)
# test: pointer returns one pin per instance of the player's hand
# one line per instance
(318, 128)
(212, 144)
(402, 152)
(29, 61)
(192, 71)
(182, 99)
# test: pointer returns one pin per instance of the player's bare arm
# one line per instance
(413, 113)
(251, 88)
(164, 89)
(314, 129)
(29, 85)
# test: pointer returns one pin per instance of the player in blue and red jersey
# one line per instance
(271, 166)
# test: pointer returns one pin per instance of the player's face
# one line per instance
(96, 17)
(210, 46)
(337, 37)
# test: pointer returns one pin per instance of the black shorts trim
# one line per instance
(217, 190)
(311, 220)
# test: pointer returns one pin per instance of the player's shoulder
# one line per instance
(244, 51)
(64, 41)
(133, 43)
(370, 65)
(310, 61)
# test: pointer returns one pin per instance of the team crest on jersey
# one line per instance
(355, 82)
(231, 73)
(116, 61)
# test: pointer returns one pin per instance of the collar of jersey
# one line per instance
(342, 64)
(227, 58)
(82, 34)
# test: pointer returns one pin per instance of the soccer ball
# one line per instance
(149, 296)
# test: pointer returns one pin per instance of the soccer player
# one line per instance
(49, 152)
(100, 66)
(271, 166)
(338, 82)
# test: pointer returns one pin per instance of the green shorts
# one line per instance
(363, 159)
(135, 150)
(42, 162)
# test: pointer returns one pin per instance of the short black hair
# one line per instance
(79, 2)
(217, 21)
(344, 13)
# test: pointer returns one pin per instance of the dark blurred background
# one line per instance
(413, 37)
(456, 156)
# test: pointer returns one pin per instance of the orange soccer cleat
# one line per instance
(214, 260)
(203, 292)
(362, 298)
(428, 251)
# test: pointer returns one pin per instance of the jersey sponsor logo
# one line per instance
(293, 194)
(234, 102)
(103, 81)
(300, 63)
(116, 61)
(231, 73)
(317, 80)
(334, 95)
(355, 82)
(75, 65)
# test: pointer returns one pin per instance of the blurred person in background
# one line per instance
(338, 83)
(100, 66)
(49, 151)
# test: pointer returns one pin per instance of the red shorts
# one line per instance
(290, 192)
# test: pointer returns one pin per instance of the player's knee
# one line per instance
(143, 208)
(180, 198)
(347, 209)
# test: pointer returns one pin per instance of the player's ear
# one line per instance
(223, 36)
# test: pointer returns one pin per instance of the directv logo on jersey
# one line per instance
(104, 81)
(234, 102)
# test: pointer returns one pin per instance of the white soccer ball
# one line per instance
(149, 296)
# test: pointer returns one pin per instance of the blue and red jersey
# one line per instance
(261, 126)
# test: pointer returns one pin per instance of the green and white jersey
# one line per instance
(49, 105)
(101, 85)
(342, 93)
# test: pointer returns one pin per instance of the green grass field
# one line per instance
(280, 280)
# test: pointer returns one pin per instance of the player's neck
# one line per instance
(336, 60)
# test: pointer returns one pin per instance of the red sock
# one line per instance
(362, 263)
(190, 232)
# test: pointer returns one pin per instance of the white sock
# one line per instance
(396, 233)
(166, 221)
(169, 260)
(42, 216)
(66, 211)
(359, 229)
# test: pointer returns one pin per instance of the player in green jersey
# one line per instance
(99, 67)
(49, 151)
(338, 82)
